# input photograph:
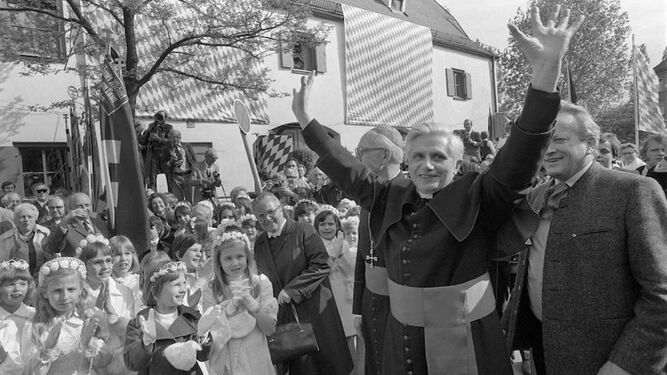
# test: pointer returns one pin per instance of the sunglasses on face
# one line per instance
(42, 190)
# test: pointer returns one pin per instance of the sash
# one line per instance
(445, 313)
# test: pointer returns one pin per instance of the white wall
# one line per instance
(451, 112)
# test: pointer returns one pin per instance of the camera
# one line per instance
(160, 117)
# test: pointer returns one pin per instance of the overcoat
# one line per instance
(448, 240)
(139, 358)
(373, 306)
(297, 263)
(604, 293)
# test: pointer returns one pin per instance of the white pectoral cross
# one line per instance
(370, 257)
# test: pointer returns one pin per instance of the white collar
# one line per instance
(278, 232)
(23, 311)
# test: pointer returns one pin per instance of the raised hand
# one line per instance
(54, 334)
(545, 49)
(300, 101)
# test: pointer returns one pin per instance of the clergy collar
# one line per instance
(279, 231)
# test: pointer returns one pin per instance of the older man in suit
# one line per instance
(591, 296)
(27, 240)
(75, 226)
(292, 255)
(181, 163)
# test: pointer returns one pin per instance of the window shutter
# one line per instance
(286, 59)
(321, 58)
(468, 86)
(451, 88)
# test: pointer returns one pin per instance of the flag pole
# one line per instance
(636, 96)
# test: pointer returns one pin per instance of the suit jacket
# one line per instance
(66, 243)
(297, 263)
(604, 294)
(13, 247)
(189, 155)
(42, 209)
(153, 362)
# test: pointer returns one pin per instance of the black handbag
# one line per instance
(292, 340)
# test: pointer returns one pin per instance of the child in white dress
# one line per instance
(126, 267)
(240, 310)
(15, 285)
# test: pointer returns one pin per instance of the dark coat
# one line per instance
(189, 155)
(447, 241)
(66, 243)
(139, 358)
(373, 307)
(604, 293)
(153, 164)
(298, 264)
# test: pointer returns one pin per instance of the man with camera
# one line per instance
(180, 162)
(207, 176)
(156, 140)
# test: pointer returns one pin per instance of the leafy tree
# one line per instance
(599, 56)
(185, 36)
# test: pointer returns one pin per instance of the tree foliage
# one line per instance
(185, 38)
(599, 56)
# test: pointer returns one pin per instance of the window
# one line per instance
(304, 59)
(459, 84)
(44, 163)
(396, 5)
(200, 148)
(36, 35)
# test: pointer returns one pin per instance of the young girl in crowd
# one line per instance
(162, 339)
(65, 334)
(188, 250)
(350, 227)
(344, 206)
(226, 213)
(16, 285)
(126, 266)
(249, 226)
(115, 299)
(240, 310)
(341, 261)
(305, 211)
(183, 219)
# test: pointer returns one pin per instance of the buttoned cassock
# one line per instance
(447, 242)
(604, 290)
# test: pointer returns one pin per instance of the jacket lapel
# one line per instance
(79, 228)
(264, 258)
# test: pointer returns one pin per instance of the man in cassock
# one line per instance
(292, 255)
(381, 150)
(438, 234)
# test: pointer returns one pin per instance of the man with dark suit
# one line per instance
(155, 139)
(75, 226)
(41, 193)
(381, 150)
(591, 294)
(292, 255)
(181, 163)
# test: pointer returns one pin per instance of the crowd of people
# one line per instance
(398, 272)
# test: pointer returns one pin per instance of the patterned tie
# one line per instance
(554, 194)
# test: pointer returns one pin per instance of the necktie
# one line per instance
(554, 194)
(89, 227)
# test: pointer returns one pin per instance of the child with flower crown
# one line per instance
(116, 300)
(65, 333)
(162, 339)
(16, 285)
(240, 310)
(187, 249)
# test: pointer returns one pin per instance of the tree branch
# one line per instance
(41, 11)
(163, 56)
(225, 85)
(85, 24)
(108, 10)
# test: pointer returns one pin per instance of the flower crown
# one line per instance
(229, 236)
(306, 201)
(91, 238)
(328, 207)
(61, 262)
(348, 202)
(14, 264)
(352, 221)
(171, 267)
(247, 217)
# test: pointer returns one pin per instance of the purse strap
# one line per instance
(296, 316)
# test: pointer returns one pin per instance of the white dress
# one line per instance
(341, 261)
(239, 347)
(15, 339)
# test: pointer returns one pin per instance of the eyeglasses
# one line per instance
(360, 150)
(42, 190)
(264, 215)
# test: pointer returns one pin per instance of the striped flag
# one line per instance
(649, 117)
(271, 152)
(119, 161)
